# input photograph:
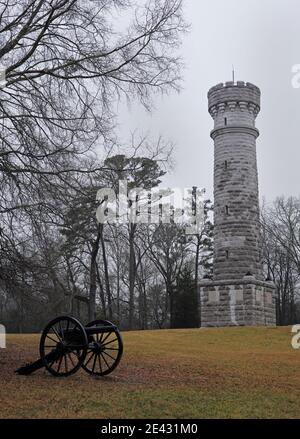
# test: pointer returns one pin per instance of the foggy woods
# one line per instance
(67, 65)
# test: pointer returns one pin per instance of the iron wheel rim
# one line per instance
(54, 337)
(104, 361)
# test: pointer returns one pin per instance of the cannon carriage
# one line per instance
(66, 346)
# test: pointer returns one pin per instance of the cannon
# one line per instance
(66, 346)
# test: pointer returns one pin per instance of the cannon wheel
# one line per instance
(105, 350)
(65, 339)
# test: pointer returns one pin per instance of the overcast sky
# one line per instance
(262, 39)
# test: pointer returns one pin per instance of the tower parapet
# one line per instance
(234, 91)
(234, 105)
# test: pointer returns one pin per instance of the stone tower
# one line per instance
(237, 295)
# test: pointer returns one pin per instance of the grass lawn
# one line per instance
(206, 373)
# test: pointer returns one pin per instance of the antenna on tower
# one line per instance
(233, 73)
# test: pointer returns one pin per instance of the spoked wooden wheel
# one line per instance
(105, 349)
(63, 346)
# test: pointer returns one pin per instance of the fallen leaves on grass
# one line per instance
(213, 373)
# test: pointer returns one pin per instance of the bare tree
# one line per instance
(281, 252)
(167, 249)
(66, 63)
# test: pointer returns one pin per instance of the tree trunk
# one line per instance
(118, 290)
(142, 304)
(106, 276)
(73, 287)
(93, 276)
(132, 274)
(171, 296)
(102, 294)
(198, 299)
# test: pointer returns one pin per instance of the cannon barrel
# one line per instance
(36, 365)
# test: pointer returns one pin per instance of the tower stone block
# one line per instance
(238, 294)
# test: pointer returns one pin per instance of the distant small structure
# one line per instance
(237, 295)
(2, 337)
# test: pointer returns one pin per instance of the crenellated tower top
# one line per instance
(227, 96)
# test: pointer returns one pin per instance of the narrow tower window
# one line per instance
(225, 121)
(227, 210)
(227, 254)
(226, 165)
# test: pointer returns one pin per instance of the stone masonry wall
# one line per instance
(244, 303)
(236, 204)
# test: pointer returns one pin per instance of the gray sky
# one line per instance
(262, 39)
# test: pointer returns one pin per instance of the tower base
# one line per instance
(248, 302)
